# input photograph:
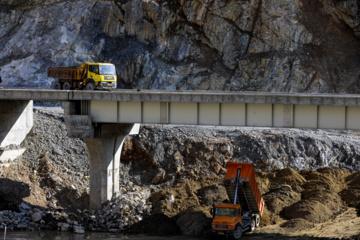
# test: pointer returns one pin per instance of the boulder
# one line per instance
(36, 217)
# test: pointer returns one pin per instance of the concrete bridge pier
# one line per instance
(16, 121)
(104, 143)
(104, 156)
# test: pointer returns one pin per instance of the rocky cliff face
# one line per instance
(286, 45)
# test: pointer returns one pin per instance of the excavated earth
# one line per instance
(171, 176)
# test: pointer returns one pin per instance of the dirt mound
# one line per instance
(353, 180)
(194, 223)
(189, 203)
(306, 197)
(351, 195)
(33, 194)
(319, 199)
(265, 220)
(280, 197)
(187, 195)
(319, 207)
(158, 224)
(326, 179)
(214, 194)
(263, 180)
(286, 176)
(297, 224)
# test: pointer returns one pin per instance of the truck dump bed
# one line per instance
(248, 193)
(74, 73)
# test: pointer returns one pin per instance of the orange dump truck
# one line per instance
(246, 207)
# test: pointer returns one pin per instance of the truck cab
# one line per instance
(99, 76)
(228, 221)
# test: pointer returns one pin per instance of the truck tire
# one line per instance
(253, 224)
(238, 232)
(257, 220)
(57, 85)
(90, 86)
(66, 86)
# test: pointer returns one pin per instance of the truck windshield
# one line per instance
(107, 70)
(225, 212)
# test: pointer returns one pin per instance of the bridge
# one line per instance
(104, 118)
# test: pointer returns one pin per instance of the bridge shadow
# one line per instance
(12, 193)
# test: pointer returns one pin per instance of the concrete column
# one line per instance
(104, 156)
(16, 121)
(104, 142)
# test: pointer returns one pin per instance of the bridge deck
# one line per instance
(130, 95)
(256, 109)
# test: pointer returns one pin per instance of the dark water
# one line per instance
(73, 236)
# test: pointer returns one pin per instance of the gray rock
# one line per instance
(24, 206)
(65, 227)
(57, 151)
(36, 217)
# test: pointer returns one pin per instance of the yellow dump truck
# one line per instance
(88, 76)
(247, 204)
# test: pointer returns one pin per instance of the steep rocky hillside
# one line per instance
(286, 45)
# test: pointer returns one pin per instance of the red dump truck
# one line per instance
(88, 76)
(246, 207)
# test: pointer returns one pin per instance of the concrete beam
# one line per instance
(104, 156)
(79, 126)
(131, 95)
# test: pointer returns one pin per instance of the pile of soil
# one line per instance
(296, 201)
(189, 203)
(313, 196)
(351, 195)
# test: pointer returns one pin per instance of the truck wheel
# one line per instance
(57, 85)
(257, 220)
(66, 86)
(253, 224)
(238, 232)
(90, 86)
